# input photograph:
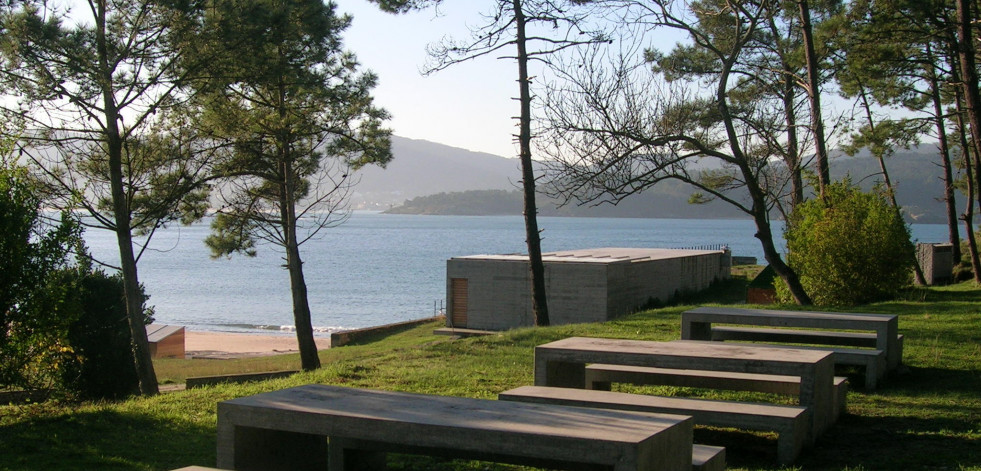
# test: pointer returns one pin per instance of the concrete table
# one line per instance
(696, 324)
(563, 364)
(290, 430)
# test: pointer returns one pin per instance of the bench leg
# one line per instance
(560, 374)
(595, 381)
(790, 442)
(696, 330)
(875, 369)
(273, 450)
(345, 455)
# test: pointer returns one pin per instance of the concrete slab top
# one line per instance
(158, 332)
(607, 255)
(465, 414)
(800, 316)
(685, 351)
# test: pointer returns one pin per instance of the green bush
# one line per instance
(850, 247)
(101, 365)
(34, 250)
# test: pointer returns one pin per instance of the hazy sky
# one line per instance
(468, 105)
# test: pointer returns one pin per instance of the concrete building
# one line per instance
(937, 262)
(166, 341)
(492, 292)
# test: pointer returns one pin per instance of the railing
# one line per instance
(706, 247)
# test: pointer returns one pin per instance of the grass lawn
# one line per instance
(928, 417)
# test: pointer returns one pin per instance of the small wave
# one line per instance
(290, 328)
(275, 328)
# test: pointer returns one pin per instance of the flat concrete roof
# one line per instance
(606, 255)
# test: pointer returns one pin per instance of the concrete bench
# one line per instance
(791, 423)
(873, 361)
(708, 458)
(818, 337)
(601, 377)
(345, 429)
(563, 363)
(839, 330)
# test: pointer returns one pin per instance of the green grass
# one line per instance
(927, 417)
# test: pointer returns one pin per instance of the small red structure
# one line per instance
(166, 341)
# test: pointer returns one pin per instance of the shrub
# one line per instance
(850, 247)
(33, 315)
(101, 366)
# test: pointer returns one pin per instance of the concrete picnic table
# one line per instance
(562, 363)
(290, 429)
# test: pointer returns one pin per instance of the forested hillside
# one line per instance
(915, 172)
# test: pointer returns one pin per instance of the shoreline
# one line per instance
(210, 344)
(222, 345)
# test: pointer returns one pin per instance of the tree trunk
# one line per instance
(881, 158)
(968, 216)
(759, 209)
(532, 234)
(814, 95)
(949, 193)
(969, 80)
(120, 205)
(309, 359)
(764, 232)
(792, 158)
(302, 320)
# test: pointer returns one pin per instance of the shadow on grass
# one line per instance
(941, 295)
(865, 442)
(916, 382)
(112, 441)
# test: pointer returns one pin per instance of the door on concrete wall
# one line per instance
(458, 309)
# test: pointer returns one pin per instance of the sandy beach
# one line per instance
(225, 344)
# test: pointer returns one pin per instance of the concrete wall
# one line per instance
(937, 262)
(589, 291)
(499, 297)
(638, 283)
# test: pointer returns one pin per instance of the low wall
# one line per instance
(347, 337)
(20, 397)
(200, 381)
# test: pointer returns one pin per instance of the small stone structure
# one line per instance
(761, 290)
(937, 262)
(493, 292)
(166, 341)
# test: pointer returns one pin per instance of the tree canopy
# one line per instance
(297, 118)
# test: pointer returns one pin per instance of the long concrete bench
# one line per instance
(837, 330)
(791, 423)
(317, 427)
(875, 368)
(818, 337)
(874, 362)
(601, 376)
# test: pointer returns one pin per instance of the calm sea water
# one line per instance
(378, 269)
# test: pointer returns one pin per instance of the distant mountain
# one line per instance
(430, 178)
(424, 168)
(668, 200)
(916, 174)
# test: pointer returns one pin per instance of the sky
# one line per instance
(468, 105)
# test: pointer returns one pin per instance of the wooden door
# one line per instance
(460, 302)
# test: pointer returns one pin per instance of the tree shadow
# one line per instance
(865, 442)
(106, 440)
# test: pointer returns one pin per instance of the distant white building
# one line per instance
(493, 292)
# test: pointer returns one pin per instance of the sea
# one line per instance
(377, 269)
